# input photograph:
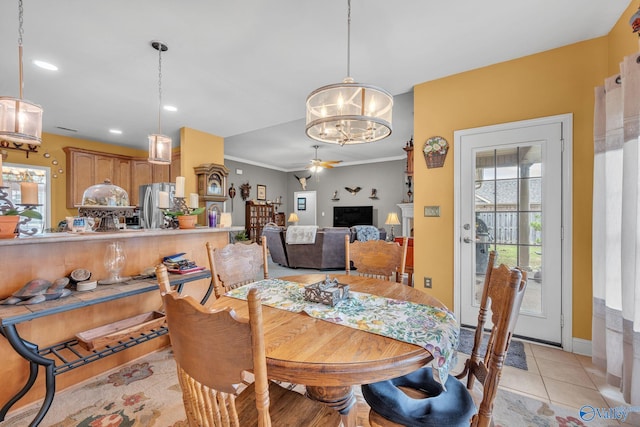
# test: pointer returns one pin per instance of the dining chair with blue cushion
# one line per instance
(417, 400)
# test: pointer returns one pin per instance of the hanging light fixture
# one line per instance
(349, 112)
(159, 144)
(20, 120)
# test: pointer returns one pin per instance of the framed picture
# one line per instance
(302, 203)
(262, 192)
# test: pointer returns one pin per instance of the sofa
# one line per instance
(326, 253)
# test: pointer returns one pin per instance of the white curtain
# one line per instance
(616, 230)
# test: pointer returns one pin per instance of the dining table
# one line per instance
(331, 359)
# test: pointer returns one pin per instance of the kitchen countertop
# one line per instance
(121, 234)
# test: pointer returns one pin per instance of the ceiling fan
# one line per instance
(316, 164)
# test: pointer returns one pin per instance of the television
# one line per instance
(348, 216)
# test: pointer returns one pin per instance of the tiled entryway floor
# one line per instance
(564, 379)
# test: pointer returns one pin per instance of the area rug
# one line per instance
(146, 394)
(516, 356)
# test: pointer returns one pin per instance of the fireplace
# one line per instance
(407, 219)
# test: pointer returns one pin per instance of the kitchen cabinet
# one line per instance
(143, 172)
(174, 169)
(86, 168)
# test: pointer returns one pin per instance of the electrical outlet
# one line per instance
(427, 282)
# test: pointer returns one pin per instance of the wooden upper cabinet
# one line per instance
(143, 172)
(104, 168)
(122, 175)
(86, 168)
(80, 174)
(160, 173)
(174, 169)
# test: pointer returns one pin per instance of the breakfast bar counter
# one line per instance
(56, 255)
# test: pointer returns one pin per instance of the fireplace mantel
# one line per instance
(407, 218)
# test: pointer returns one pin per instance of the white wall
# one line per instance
(308, 215)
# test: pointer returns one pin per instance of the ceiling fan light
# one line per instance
(20, 121)
(159, 149)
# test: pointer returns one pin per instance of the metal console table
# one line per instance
(55, 359)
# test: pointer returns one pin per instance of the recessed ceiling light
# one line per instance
(170, 108)
(116, 131)
(45, 65)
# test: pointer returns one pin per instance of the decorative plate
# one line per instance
(80, 275)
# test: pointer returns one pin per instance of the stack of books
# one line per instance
(178, 264)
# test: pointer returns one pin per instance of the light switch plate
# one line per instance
(432, 211)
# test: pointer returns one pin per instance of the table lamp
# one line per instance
(392, 219)
(293, 218)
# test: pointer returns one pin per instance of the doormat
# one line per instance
(516, 356)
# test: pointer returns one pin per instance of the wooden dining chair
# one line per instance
(237, 264)
(213, 350)
(417, 399)
(376, 258)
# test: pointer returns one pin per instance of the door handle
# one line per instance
(467, 240)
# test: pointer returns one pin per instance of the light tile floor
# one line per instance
(554, 376)
(564, 379)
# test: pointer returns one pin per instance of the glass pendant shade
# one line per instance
(20, 121)
(349, 113)
(159, 149)
(159, 144)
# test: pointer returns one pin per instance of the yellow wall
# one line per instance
(196, 148)
(550, 83)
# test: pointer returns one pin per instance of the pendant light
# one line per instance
(349, 112)
(159, 144)
(20, 120)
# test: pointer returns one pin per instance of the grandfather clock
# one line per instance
(212, 182)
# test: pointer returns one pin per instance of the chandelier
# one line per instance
(20, 120)
(349, 112)
(159, 144)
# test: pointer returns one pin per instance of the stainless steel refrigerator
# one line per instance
(151, 216)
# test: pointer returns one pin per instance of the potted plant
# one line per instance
(242, 237)
(186, 217)
(9, 220)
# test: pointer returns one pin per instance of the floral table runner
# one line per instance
(432, 328)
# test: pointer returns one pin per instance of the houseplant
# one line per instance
(242, 237)
(9, 220)
(186, 216)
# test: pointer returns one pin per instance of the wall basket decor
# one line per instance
(435, 151)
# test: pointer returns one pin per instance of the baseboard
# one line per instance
(581, 346)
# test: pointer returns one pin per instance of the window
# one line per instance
(14, 174)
